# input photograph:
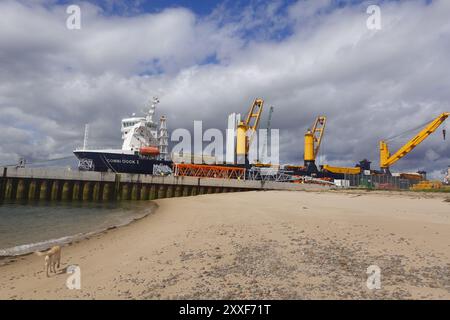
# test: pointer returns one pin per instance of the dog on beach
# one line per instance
(52, 259)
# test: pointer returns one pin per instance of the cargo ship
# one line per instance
(144, 149)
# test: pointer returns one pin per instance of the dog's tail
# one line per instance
(40, 254)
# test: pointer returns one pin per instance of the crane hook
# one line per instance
(444, 133)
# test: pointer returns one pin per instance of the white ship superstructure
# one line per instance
(138, 132)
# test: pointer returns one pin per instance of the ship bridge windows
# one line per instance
(129, 124)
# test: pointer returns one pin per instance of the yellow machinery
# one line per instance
(341, 170)
(246, 130)
(387, 160)
(427, 186)
(313, 140)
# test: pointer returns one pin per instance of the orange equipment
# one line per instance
(149, 151)
(205, 171)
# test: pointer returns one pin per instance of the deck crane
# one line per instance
(246, 131)
(313, 140)
(387, 160)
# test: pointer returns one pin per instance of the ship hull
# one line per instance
(121, 163)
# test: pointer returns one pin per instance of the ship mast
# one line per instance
(163, 138)
(151, 111)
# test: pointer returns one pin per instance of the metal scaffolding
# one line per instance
(269, 174)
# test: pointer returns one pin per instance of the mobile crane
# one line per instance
(387, 160)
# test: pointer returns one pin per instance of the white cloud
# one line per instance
(371, 85)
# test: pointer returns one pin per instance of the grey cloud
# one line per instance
(371, 85)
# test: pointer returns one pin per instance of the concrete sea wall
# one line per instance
(50, 184)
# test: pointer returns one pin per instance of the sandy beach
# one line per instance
(258, 245)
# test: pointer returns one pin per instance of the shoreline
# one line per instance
(68, 240)
(257, 245)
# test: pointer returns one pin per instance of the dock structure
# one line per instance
(49, 184)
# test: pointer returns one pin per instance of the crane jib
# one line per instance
(386, 159)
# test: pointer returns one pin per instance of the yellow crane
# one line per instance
(246, 130)
(387, 160)
(313, 140)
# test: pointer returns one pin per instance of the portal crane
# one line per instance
(387, 160)
(246, 131)
(313, 140)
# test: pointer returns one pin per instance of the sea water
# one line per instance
(28, 227)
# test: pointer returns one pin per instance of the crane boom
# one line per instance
(318, 132)
(387, 160)
(253, 118)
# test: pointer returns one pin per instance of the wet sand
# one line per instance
(264, 245)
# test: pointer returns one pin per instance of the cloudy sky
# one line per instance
(206, 59)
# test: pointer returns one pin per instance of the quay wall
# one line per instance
(49, 184)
